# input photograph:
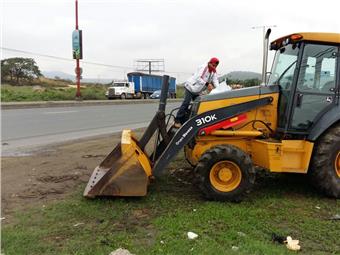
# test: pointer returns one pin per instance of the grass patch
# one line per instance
(180, 91)
(11, 93)
(52, 91)
(159, 222)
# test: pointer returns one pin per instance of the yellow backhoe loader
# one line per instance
(290, 123)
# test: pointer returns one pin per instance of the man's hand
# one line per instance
(210, 87)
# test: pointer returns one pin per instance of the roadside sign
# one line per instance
(77, 44)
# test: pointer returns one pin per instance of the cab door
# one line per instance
(316, 86)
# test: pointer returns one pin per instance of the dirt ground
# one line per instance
(51, 173)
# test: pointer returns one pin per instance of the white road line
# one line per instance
(59, 112)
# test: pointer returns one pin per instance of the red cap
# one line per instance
(214, 61)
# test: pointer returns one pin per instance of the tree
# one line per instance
(19, 69)
(251, 82)
(246, 83)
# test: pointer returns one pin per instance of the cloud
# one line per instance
(184, 33)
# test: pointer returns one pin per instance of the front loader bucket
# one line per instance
(124, 172)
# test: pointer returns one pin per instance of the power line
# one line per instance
(69, 59)
(65, 59)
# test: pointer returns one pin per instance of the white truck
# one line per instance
(121, 90)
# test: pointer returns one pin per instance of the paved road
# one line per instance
(40, 126)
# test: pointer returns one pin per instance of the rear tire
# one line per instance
(325, 165)
(225, 173)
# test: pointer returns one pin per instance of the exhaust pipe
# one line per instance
(265, 56)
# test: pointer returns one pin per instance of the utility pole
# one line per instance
(264, 61)
(77, 51)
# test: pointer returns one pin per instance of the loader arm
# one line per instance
(126, 171)
(193, 125)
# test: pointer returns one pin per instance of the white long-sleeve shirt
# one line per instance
(196, 83)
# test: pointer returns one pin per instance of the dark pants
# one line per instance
(182, 114)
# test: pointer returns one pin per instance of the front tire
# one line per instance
(225, 173)
(123, 96)
(325, 165)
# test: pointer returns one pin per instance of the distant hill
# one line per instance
(94, 80)
(66, 76)
(61, 75)
(235, 75)
(241, 75)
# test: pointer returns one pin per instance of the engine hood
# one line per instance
(251, 91)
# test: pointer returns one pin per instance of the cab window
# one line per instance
(317, 72)
(315, 91)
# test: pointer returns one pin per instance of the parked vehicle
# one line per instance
(139, 85)
(120, 90)
(157, 94)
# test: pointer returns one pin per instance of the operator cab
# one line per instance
(306, 67)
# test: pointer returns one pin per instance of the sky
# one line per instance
(185, 33)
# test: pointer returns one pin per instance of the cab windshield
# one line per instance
(284, 66)
(119, 84)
